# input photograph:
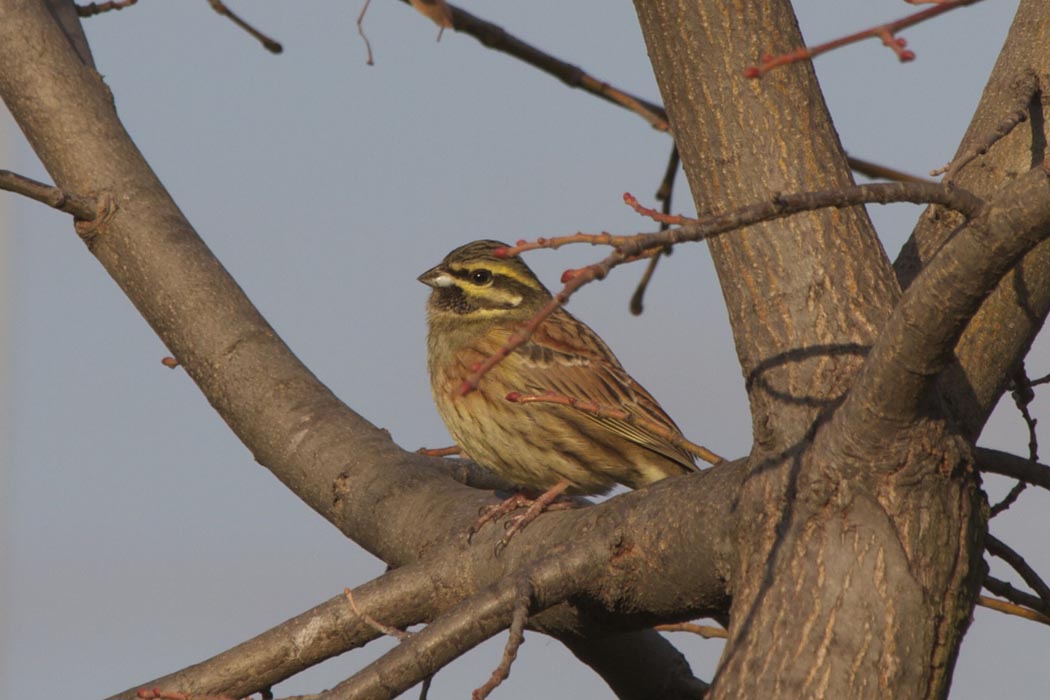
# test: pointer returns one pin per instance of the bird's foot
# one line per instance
(548, 500)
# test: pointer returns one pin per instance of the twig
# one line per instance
(498, 39)
(664, 218)
(555, 242)
(639, 246)
(97, 8)
(399, 635)
(597, 409)
(1011, 609)
(515, 639)
(705, 631)
(268, 43)
(1018, 114)
(1023, 395)
(1024, 598)
(361, 32)
(877, 171)
(1000, 549)
(83, 208)
(664, 195)
(1008, 500)
(885, 32)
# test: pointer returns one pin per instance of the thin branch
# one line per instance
(269, 44)
(1006, 464)
(597, 409)
(398, 634)
(1011, 609)
(1000, 549)
(97, 8)
(498, 39)
(1008, 500)
(361, 32)
(885, 32)
(83, 208)
(1006, 590)
(515, 639)
(642, 245)
(705, 631)
(882, 172)
(664, 195)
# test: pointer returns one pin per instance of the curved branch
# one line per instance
(917, 341)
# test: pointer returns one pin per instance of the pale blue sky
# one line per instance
(138, 536)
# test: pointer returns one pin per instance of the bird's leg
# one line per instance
(545, 501)
(490, 513)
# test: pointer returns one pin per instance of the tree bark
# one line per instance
(860, 562)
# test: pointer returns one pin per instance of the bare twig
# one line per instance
(882, 172)
(97, 8)
(619, 414)
(642, 245)
(515, 639)
(268, 43)
(399, 635)
(1000, 549)
(885, 32)
(361, 32)
(664, 195)
(1008, 500)
(1012, 609)
(705, 631)
(1023, 395)
(498, 39)
(83, 208)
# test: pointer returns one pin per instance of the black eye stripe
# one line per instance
(477, 276)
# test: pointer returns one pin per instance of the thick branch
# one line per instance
(917, 342)
(1002, 332)
(567, 570)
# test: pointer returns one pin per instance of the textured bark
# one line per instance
(846, 551)
(1002, 332)
(860, 562)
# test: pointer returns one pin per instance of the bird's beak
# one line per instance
(436, 277)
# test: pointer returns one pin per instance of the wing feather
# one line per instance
(573, 361)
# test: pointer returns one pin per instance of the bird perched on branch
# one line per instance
(558, 414)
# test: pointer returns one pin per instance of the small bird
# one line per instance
(481, 296)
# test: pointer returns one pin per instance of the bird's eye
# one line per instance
(481, 277)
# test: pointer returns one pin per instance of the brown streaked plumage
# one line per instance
(479, 299)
